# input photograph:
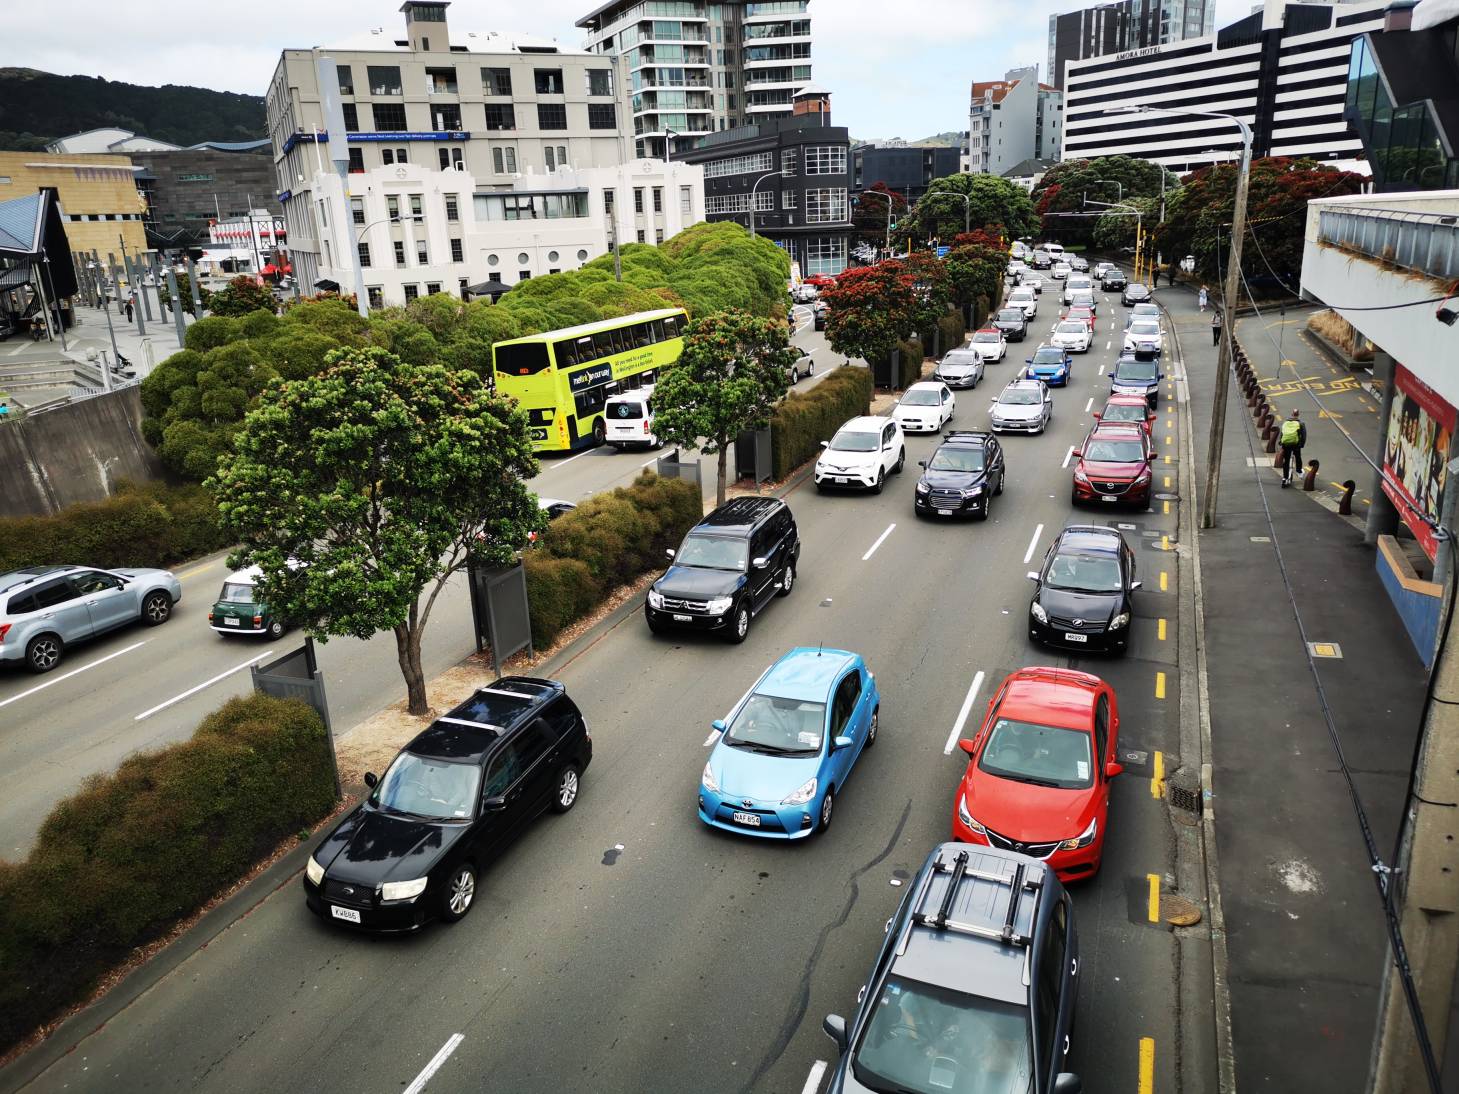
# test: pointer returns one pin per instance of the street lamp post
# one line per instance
(1118, 185)
(1233, 281)
(967, 200)
(361, 302)
(755, 189)
(883, 194)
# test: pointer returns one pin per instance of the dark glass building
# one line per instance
(907, 169)
(187, 189)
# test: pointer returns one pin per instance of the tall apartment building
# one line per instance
(1012, 120)
(1283, 70)
(1124, 25)
(696, 67)
(448, 120)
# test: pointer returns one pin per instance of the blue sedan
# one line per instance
(1051, 364)
(788, 746)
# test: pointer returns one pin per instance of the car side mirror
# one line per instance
(923, 463)
(967, 745)
(760, 563)
(1068, 1083)
(669, 552)
(1113, 768)
(842, 742)
(1078, 453)
(1033, 575)
(1135, 585)
(718, 725)
(494, 804)
(825, 444)
(1098, 414)
(371, 780)
(1028, 360)
(835, 1027)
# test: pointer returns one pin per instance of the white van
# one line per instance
(1055, 250)
(628, 420)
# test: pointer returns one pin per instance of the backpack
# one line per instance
(1291, 432)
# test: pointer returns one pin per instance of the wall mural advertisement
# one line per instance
(1420, 426)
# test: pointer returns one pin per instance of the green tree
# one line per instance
(1065, 187)
(931, 290)
(361, 490)
(994, 203)
(975, 268)
(185, 289)
(869, 310)
(735, 367)
(1116, 228)
(242, 295)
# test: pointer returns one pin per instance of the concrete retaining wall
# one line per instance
(1417, 601)
(72, 453)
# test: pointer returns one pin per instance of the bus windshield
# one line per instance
(521, 359)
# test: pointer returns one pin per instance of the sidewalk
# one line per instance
(1305, 938)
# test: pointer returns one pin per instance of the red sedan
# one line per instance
(1114, 466)
(820, 281)
(1039, 770)
(1127, 409)
(1086, 314)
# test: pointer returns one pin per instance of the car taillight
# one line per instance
(210, 619)
(258, 621)
(4, 630)
(645, 427)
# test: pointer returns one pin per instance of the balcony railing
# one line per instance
(1427, 243)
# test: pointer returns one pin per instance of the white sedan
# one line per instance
(1032, 280)
(1073, 335)
(989, 344)
(1144, 336)
(925, 408)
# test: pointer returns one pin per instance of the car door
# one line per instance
(949, 400)
(996, 470)
(106, 599)
(60, 608)
(763, 566)
(843, 724)
(889, 447)
(517, 773)
(1048, 403)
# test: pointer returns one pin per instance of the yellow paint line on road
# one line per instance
(1164, 581)
(1160, 685)
(1161, 630)
(1167, 482)
(1168, 440)
(1147, 1065)
(191, 570)
(1153, 911)
(1165, 543)
(1167, 461)
(1157, 775)
(1167, 507)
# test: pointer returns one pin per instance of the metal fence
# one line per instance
(1427, 243)
(296, 675)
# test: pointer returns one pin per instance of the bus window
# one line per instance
(671, 326)
(522, 358)
(642, 336)
(603, 344)
(586, 350)
(621, 342)
(566, 353)
(658, 330)
(591, 401)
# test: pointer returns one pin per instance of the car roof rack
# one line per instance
(957, 871)
(951, 433)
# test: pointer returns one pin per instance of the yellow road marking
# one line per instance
(195, 570)
(1164, 580)
(1154, 914)
(1167, 439)
(1160, 686)
(1169, 424)
(1162, 630)
(1147, 1065)
(1157, 777)
(1167, 461)
(1167, 507)
(1165, 543)
(1167, 482)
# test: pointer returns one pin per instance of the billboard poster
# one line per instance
(1420, 427)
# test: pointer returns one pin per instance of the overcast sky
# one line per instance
(896, 68)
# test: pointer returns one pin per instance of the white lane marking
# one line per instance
(1068, 456)
(1108, 343)
(564, 463)
(1101, 370)
(435, 1065)
(962, 715)
(73, 672)
(1089, 405)
(813, 1080)
(879, 541)
(200, 687)
(1033, 544)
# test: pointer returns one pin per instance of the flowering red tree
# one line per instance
(869, 310)
(869, 217)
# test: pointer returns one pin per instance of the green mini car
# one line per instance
(238, 611)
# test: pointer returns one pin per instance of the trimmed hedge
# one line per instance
(911, 363)
(607, 541)
(143, 524)
(120, 863)
(803, 419)
(953, 330)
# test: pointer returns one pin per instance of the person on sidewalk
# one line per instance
(1216, 329)
(1292, 437)
(129, 309)
(1204, 298)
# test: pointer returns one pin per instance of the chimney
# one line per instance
(425, 25)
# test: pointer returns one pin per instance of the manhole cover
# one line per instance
(1178, 911)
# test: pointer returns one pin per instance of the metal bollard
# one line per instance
(1309, 480)
(1345, 505)
(1271, 446)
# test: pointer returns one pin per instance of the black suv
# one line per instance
(1085, 594)
(452, 800)
(1113, 279)
(1013, 323)
(727, 569)
(975, 984)
(962, 476)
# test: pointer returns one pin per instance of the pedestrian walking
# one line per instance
(1292, 437)
(129, 309)
(1204, 298)
(1216, 329)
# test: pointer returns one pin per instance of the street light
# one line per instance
(755, 188)
(362, 304)
(882, 194)
(1228, 311)
(1118, 185)
(967, 200)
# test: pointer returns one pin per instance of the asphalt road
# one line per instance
(101, 704)
(625, 947)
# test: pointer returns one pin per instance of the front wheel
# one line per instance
(740, 626)
(569, 781)
(881, 479)
(828, 804)
(460, 892)
(156, 609)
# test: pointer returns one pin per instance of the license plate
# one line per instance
(752, 819)
(1070, 636)
(944, 512)
(349, 915)
(842, 479)
(683, 619)
(230, 622)
(1108, 497)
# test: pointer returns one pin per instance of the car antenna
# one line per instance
(819, 644)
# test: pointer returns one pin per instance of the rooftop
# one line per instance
(805, 674)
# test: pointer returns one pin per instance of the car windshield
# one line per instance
(929, 1040)
(779, 727)
(1145, 329)
(1042, 755)
(986, 336)
(422, 786)
(960, 360)
(1136, 370)
(920, 398)
(855, 440)
(1083, 299)
(713, 553)
(1021, 396)
(1084, 573)
(1048, 355)
(1114, 451)
(1073, 328)
(956, 458)
(1119, 412)
(627, 408)
(1136, 290)
(236, 592)
(1011, 315)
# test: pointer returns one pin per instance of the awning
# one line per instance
(493, 288)
(326, 285)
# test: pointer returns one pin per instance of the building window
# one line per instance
(658, 199)
(421, 257)
(658, 235)
(461, 283)
(441, 81)
(549, 157)
(740, 165)
(551, 116)
(400, 156)
(524, 275)
(351, 118)
(739, 203)
(548, 81)
(451, 159)
(638, 200)
(789, 199)
(825, 206)
(789, 163)
(458, 254)
(504, 160)
(411, 293)
(446, 116)
(387, 156)
(600, 81)
(825, 159)
(640, 235)
(825, 254)
(453, 207)
(357, 209)
(432, 287)
(399, 253)
(346, 80)
(415, 206)
(538, 206)
(492, 260)
(392, 206)
(523, 259)
(602, 116)
(686, 201)
(608, 200)
(500, 116)
(377, 297)
(389, 117)
(384, 79)
(364, 254)
(357, 159)
(496, 81)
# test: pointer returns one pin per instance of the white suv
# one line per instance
(1026, 299)
(628, 420)
(1076, 283)
(861, 455)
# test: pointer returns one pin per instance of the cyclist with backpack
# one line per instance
(1292, 437)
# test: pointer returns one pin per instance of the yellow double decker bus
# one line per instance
(562, 378)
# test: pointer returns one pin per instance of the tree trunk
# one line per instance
(407, 652)
(719, 488)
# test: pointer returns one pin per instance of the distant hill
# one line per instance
(36, 107)
(952, 139)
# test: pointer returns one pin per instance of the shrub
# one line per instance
(607, 541)
(117, 865)
(953, 330)
(141, 525)
(911, 363)
(803, 419)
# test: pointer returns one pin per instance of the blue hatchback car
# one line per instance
(788, 746)
(1051, 364)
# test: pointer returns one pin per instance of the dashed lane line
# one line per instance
(83, 668)
(813, 1080)
(194, 690)
(452, 1043)
(879, 541)
(962, 715)
(1033, 544)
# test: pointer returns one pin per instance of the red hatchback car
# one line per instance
(1040, 768)
(1086, 314)
(1114, 466)
(1128, 410)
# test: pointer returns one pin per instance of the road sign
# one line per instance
(942, 251)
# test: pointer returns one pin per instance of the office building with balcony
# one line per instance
(788, 179)
(906, 168)
(465, 113)
(1106, 29)
(1012, 120)
(1283, 70)
(696, 67)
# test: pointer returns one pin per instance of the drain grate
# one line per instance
(1188, 798)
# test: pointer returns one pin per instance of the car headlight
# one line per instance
(1142, 478)
(1080, 476)
(1037, 611)
(1083, 840)
(1119, 621)
(709, 781)
(655, 599)
(403, 890)
(966, 817)
(719, 605)
(923, 488)
(313, 871)
(972, 492)
(806, 792)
